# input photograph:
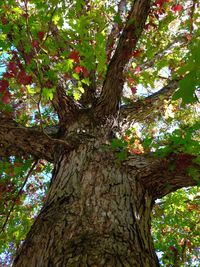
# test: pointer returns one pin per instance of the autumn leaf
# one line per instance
(137, 53)
(75, 56)
(160, 3)
(41, 35)
(12, 68)
(78, 69)
(177, 8)
(133, 90)
(34, 43)
(3, 85)
(6, 98)
(23, 78)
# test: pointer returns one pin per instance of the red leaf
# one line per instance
(172, 248)
(160, 2)
(34, 43)
(135, 151)
(23, 78)
(6, 98)
(78, 69)
(7, 75)
(137, 53)
(133, 90)
(75, 56)
(130, 79)
(40, 35)
(85, 72)
(3, 85)
(177, 8)
(12, 68)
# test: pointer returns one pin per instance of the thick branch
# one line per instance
(16, 140)
(173, 173)
(115, 31)
(162, 176)
(64, 106)
(142, 109)
(7, 150)
(111, 92)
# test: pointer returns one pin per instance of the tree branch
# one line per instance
(180, 41)
(172, 174)
(64, 106)
(18, 140)
(108, 102)
(141, 109)
(7, 150)
(161, 176)
(115, 31)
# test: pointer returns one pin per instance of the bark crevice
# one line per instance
(95, 215)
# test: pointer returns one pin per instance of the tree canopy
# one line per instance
(137, 59)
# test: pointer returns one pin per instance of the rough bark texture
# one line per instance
(108, 102)
(97, 213)
(17, 140)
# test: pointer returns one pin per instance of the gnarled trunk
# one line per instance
(96, 214)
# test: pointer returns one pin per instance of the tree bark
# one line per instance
(97, 213)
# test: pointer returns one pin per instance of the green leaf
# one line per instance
(31, 90)
(75, 76)
(76, 95)
(48, 93)
(187, 89)
(118, 143)
(122, 155)
(86, 81)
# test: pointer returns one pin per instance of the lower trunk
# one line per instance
(96, 214)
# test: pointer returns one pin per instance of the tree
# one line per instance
(107, 93)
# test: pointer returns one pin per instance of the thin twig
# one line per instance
(16, 198)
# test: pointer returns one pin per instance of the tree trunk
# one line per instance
(97, 213)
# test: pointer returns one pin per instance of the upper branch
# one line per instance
(16, 140)
(141, 109)
(115, 31)
(64, 106)
(108, 102)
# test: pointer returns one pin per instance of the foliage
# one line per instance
(25, 198)
(176, 228)
(43, 43)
